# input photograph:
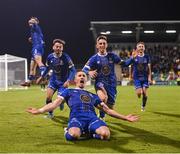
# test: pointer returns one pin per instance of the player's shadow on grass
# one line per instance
(91, 145)
(60, 119)
(114, 143)
(168, 114)
(97, 143)
(145, 136)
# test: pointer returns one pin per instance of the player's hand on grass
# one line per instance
(132, 118)
(93, 74)
(33, 110)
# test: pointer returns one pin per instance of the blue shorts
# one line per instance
(111, 92)
(141, 83)
(56, 86)
(86, 125)
(37, 50)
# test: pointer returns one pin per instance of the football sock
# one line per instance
(96, 136)
(69, 137)
(144, 100)
(42, 69)
(31, 77)
(101, 114)
(47, 102)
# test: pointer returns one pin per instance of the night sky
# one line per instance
(70, 20)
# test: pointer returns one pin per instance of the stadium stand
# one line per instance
(162, 39)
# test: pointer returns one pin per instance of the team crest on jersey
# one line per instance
(106, 70)
(85, 98)
(57, 69)
(98, 62)
(140, 67)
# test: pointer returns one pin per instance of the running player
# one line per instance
(63, 71)
(101, 67)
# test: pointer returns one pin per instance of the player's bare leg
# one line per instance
(139, 92)
(38, 59)
(49, 95)
(142, 92)
(102, 133)
(32, 73)
(103, 97)
(72, 133)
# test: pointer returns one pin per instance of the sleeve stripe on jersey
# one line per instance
(87, 67)
(61, 97)
(71, 65)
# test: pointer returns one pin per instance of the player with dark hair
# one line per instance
(37, 50)
(83, 118)
(63, 71)
(101, 67)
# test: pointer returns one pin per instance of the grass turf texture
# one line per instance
(157, 130)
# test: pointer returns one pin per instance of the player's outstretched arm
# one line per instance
(72, 72)
(113, 113)
(129, 61)
(46, 108)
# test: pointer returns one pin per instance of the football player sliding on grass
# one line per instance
(83, 118)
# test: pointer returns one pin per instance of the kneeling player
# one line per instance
(82, 112)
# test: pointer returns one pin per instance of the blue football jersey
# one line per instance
(60, 66)
(36, 35)
(81, 102)
(105, 67)
(140, 67)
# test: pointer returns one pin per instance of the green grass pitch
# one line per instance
(157, 131)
